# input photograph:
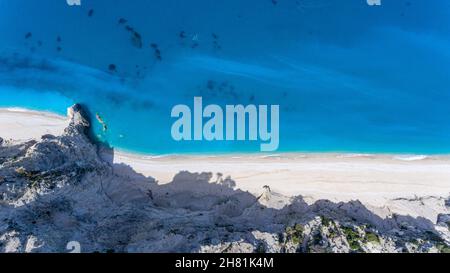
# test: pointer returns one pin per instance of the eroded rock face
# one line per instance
(58, 190)
(34, 167)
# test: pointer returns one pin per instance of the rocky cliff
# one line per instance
(59, 193)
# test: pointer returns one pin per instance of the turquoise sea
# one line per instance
(348, 77)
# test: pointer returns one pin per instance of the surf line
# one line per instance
(234, 123)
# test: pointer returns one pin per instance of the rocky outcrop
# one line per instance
(58, 192)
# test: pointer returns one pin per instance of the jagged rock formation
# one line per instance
(58, 190)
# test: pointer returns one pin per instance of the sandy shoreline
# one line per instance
(373, 179)
(22, 124)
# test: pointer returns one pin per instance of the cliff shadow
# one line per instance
(212, 202)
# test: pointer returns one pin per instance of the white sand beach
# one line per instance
(372, 179)
(22, 124)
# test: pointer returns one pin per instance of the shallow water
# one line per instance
(347, 76)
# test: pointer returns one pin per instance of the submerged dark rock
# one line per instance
(158, 55)
(136, 40)
(112, 68)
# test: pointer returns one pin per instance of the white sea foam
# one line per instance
(411, 157)
(155, 156)
(17, 109)
(270, 156)
(353, 155)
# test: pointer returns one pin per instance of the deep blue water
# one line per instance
(347, 76)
